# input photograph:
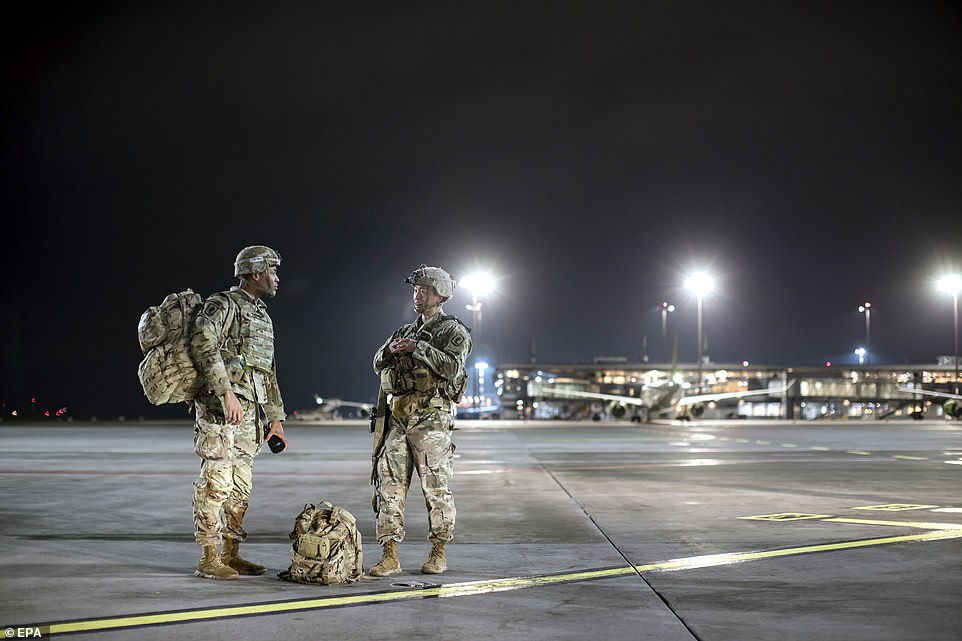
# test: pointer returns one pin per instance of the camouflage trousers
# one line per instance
(422, 442)
(223, 489)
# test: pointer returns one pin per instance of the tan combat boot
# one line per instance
(389, 563)
(436, 563)
(211, 567)
(232, 558)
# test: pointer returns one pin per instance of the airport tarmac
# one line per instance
(715, 531)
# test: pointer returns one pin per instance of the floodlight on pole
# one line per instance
(701, 284)
(866, 308)
(480, 284)
(666, 308)
(952, 284)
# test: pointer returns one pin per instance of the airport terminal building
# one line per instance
(813, 391)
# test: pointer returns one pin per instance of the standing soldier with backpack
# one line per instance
(232, 344)
(422, 369)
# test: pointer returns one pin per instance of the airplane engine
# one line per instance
(953, 408)
(618, 410)
(697, 410)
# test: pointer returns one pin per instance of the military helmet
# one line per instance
(255, 259)
(434, 277)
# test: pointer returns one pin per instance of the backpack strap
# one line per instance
(227, 332)
(448, 317)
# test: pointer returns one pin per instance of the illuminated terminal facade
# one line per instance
(536, 390)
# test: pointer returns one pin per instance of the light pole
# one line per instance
(700, 283)
(866, 308)
(952, 284)
(666, 308)
(479, 284)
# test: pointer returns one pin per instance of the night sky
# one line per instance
(590, 154)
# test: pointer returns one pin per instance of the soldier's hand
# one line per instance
(403, 346)
(233, 409)
(277, 429)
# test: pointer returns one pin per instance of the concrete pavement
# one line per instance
(713, 531)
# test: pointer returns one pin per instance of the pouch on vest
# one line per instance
(389, 381)
(423, 381)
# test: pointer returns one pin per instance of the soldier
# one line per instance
(422, 369)
(233, 346)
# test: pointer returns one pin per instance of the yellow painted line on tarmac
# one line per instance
(859, 452)
(895, 507)
(916, 524)
(786, 516)
(905, 457)
(475, 587)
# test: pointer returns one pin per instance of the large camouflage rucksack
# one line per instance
(167, 373)
(326, 547)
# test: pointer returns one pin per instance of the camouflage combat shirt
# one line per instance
(444, 354)
(239, 357)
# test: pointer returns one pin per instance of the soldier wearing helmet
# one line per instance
(232, 344)
(422, 373)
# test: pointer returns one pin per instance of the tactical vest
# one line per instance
(256, 338)
(249, 353)
(408, 376)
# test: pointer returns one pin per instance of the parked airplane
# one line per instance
(657, 398)
(654, 398)
(951, 403)
(332, 409)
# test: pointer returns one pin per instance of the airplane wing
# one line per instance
(928, 392)
(706, 398)
(327, 408)
(685, 400)
(598, 396)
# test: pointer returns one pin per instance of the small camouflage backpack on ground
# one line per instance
(326, 546)
(167, 373)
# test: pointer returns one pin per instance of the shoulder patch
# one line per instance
(212, 308)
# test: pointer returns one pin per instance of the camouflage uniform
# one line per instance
(419, 434)
(239, 358)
